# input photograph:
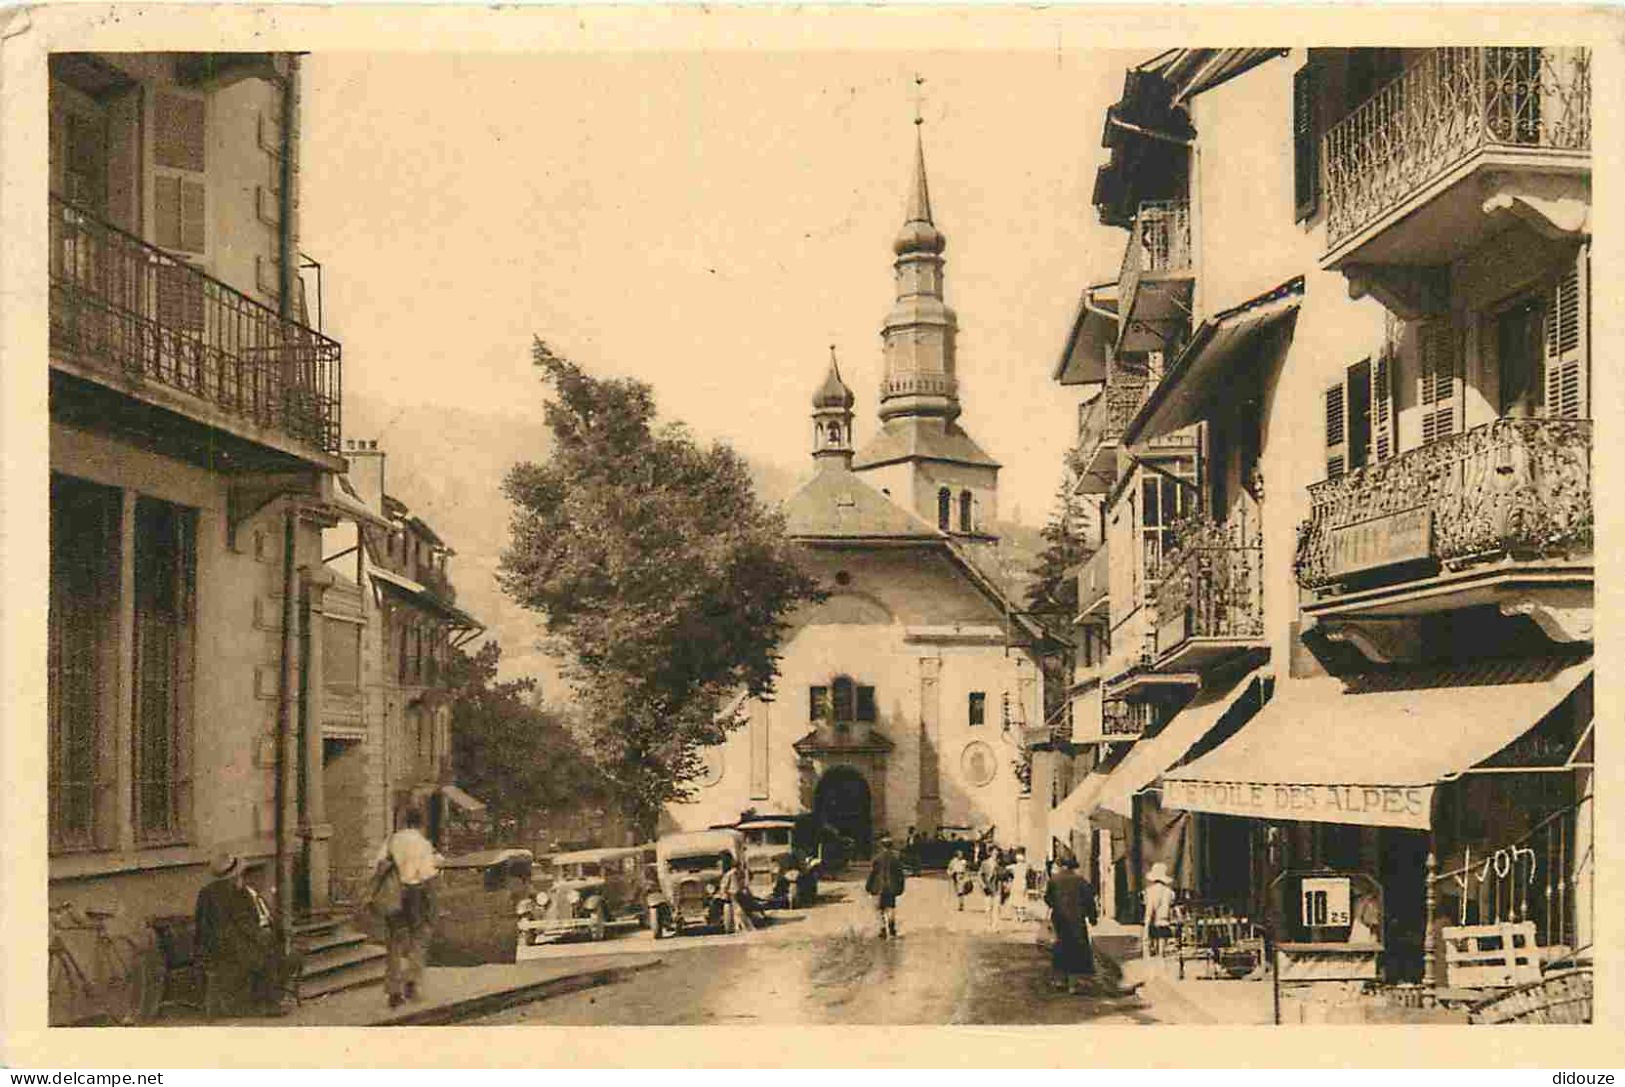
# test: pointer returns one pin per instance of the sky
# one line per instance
(709, 223)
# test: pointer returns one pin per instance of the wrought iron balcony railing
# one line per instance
(1209, 585)
(118, 303)
(1511, 489)
(1105, 418)
(1446, 106)
(1158, 242)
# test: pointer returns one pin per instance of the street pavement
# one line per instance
(824, 964)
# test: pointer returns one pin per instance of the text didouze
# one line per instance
(1369, 805)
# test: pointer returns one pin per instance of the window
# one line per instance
(977, 709)
(84, 573)
(1305, 152)
(945, 502)
(845, 699)
(866, 704)
(1520, 349)
(178, 172)
(1566, 357)
(165, 575)
(341, 656)
(1359, 413)
(1163, 501)
(1436, 380)
(817, 703)
(964, 511)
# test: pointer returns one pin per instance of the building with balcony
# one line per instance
(1383, 618)
(194, 422)
(391, 625)
(913, 695)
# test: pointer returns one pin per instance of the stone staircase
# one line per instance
(337, 955)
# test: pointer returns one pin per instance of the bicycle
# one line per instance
(118, 987)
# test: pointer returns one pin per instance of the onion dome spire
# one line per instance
(919, 233)
(832, 417)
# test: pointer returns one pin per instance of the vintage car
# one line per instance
(474, 907)
(592, 892)
(782, 873)
(935, 850)
(690, 871)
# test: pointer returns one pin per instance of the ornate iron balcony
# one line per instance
(1511, 489)
(1209, 585)
(1104, 418)
(1446, 106)
(1158, 242)
(120, 304)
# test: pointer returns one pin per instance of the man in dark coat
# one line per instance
(885, 883)
(232, 942)
(1071, 901)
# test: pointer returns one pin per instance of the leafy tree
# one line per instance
(659, 573)
(513, 753)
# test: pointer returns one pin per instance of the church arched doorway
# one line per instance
(842, 803)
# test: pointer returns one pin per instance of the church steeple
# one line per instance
(832, 418)
(922, 458)
(919, 331)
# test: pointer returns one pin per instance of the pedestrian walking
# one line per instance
(1159, 911)
(403, 894)
(959, 876)
(988, 877)
(1071, 900)
(885, 883)
(1020, 876)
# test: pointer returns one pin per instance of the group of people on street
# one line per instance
(1003, 876)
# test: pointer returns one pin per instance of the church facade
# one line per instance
(902, 698)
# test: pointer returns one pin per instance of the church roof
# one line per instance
(919, 233)
(835, 504)
(921, 438)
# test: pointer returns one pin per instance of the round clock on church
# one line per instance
(978, 763)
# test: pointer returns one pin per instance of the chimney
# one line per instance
(366, 471)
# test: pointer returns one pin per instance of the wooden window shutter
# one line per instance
(1382, 407)
(817, 703)
(1566, 374)
(1437, 381)
(178, 141)
(1337, 438)
(1305, 159)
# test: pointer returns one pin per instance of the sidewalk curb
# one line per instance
(1156, 990)
(488, 1003)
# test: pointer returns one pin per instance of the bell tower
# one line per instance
(922, 458)
(832, 418)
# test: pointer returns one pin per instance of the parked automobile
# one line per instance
(782, 873)
(592, 892)
(475, 903)
(938, 848)
(690, 871)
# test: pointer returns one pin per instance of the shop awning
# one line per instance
(1371, 752)
(1073, 812)
(1216, 364)
(421, 596)
(1151, 757)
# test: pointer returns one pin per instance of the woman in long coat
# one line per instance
(1071, 900)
